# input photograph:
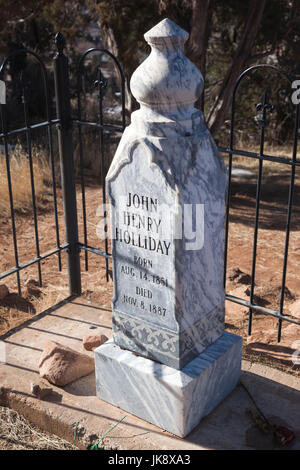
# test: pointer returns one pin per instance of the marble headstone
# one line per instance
(170, 361)
(167, 188)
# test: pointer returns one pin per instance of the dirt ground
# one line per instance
(260, 346)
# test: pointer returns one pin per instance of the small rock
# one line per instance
(238, 276)
(61, 365)
(3, 291)
(270, 295)
(92, 438)
(233, 273)
(32, 282)
(91, 342)
(32, 288)
(39, 389)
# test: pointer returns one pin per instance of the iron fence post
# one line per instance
(65, 144)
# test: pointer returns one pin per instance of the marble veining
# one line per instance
(168, 153)
(175, 400)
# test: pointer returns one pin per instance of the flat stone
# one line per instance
(92, 342)
(175, 400)
(61, 365)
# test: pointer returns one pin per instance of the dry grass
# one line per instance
(16, 433)
(20, 178)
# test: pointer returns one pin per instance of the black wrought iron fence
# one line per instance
(263, 109)
(100, 84)
(65, 122)
(27, 130)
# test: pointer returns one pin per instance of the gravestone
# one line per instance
(170, 361)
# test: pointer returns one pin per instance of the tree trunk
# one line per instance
(112, 46)
(198, 41)
(221, 106)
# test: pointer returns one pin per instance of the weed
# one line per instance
(98, 445)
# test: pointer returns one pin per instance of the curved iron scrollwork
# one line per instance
(262, 108)
(101, 84)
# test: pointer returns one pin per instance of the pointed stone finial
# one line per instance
(166, 32)
(167, 81)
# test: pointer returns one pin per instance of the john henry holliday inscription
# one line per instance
(136, 221)
(143, 268)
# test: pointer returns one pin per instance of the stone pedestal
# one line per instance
(174, 400)
(167, 186)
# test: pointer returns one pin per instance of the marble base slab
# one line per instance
(174, 400)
